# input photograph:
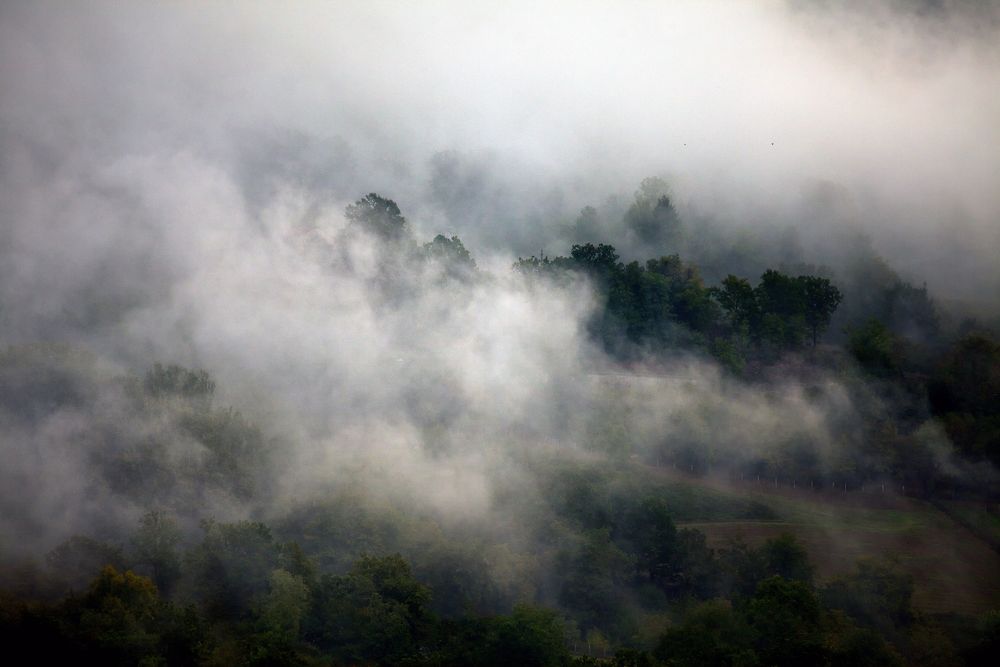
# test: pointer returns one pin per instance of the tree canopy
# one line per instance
(377, 216)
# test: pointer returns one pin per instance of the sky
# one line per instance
(743, 107)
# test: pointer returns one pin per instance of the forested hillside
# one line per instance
(193, 547)
(633, 334)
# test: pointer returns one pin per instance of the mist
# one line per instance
(494, 123)
(173, 185)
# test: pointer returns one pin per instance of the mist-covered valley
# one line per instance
(581, 333)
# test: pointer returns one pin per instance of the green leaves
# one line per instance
(378, 216)
(781, 311)
(875, 347)
(377, 612)
(820, 301)
(155, 544)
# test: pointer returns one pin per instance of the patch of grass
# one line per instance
(952, 569)
(976, 517)
(692, 501)
(824, 514)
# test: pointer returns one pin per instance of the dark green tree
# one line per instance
(712, 634)
(851, 646)
(154, 545)
(690, 303)
(737, 298)
(782, 305)
(910, 312)
(780, 310)
(377, 216)
(878, 595)
(600, 261)
(236, 456)
(652, 217)
(820, 299)
(743, 568)
(377, 613)
(785, 557)
(875, 347)
(653, 536)
(119, 618)
(231, 567)
(451, 255)
(593, 578)
(530, 636)
(965, 393)
(786, 620)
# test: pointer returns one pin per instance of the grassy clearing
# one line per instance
(690, 500)
(953, 570)
(982, 520)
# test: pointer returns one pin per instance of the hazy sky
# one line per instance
(740, 105)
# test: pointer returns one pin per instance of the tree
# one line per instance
(711, 634)
(689, 302)
(652, 217)
(451, 255)
(378, 216)
(738, 299)
(154, 545)
(533, 267)
(119, 618)
(393, 580)
(875, 347)
(852, 646)
(377, 613)
(592, 576)
(821, 299)
(530, 636)
(878, 595)
(601, 261)
(780, 309)
(782, 305)
(460, 579)
(174, 380)
(965, 392)
(910, 311)
(698, 570)
(285, 604)
(236, 457)
(785, 557)
(632, 657)
(785, 617)
(968, 380)
(742, 569)
(77, 560)
(232, 566)
(653, 536)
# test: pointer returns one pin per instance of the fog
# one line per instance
(173, 179)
